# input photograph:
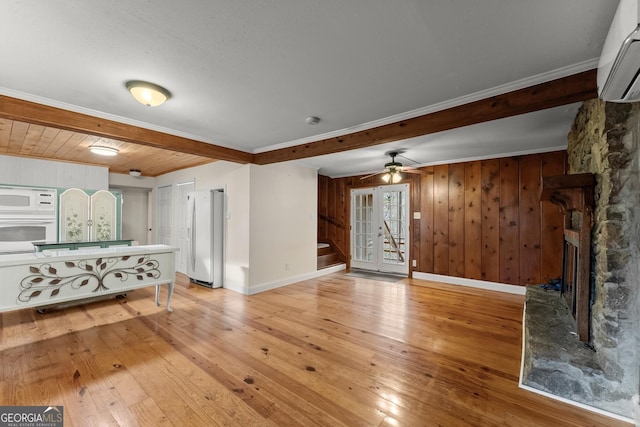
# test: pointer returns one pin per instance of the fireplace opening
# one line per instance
(574, 195)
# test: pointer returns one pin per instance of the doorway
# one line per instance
(182, 238)
(163, 216)
(135, 214)
(380, 228)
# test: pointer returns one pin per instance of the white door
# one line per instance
(380, 228)
(181, 225)
(163, 220)
(151, 237)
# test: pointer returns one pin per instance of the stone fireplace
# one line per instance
(603, 372)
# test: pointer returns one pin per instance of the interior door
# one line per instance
(380, 228)
(181, 225)
(163, 219)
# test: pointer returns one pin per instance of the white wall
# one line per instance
(121, 180)
(283, 224)
(46, 173)
(271, 221)
(134, 214)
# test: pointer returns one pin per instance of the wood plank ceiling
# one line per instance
(37, 131)
(51, 143)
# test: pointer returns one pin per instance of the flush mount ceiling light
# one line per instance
(147, 93)
(103, 151)
(135, 172)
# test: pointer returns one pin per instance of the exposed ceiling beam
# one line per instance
(30, 112)
(566, 90)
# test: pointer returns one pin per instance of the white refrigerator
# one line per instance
(205, 237)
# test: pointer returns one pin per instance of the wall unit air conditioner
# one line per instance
(619, 67)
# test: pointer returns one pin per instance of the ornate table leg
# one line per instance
(170, 294)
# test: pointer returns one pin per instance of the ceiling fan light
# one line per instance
(396, 178)
(103, 151)
(146, 93)
(386, 177)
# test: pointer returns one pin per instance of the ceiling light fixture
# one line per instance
(103, 151)
(135, 172)
(147, 93)
(393, 176)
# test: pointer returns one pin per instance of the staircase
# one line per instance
(327, 256)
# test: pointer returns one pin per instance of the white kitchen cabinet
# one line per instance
(88, 217)
(103, 216)
(48, 173)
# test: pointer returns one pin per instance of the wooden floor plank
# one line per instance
(331, 351)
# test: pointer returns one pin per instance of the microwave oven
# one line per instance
(26, 201)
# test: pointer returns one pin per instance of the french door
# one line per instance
(380, 228)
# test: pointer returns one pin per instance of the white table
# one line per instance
(53, 277)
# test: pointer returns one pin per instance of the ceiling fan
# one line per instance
(392, 170)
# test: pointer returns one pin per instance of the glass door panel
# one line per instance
(362, 239)
(380, 228)
(395, 209)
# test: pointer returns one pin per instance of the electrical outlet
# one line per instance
(286, 267)
(414, 263)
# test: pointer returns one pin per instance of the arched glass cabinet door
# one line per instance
(73, 216)
(103, 216)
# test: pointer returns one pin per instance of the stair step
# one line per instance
(325, 251)
(327, 260)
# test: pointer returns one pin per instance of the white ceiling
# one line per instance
(245, 74)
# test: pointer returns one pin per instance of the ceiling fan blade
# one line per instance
(413, 170)
(373, 174)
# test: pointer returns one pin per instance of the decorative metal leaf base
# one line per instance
(47, 280)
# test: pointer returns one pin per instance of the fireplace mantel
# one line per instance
(575, 193)
(571, 192)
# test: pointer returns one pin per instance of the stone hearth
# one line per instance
(604, 373)
(557, 362)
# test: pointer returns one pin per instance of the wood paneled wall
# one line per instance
(478, 220)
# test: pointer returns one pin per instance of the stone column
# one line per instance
(604, 141)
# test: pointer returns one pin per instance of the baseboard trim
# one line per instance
(295, 279)
(235, 287)
(472, 283)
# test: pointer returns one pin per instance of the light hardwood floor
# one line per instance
(333, 351)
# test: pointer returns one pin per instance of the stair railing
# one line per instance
(392, 241)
